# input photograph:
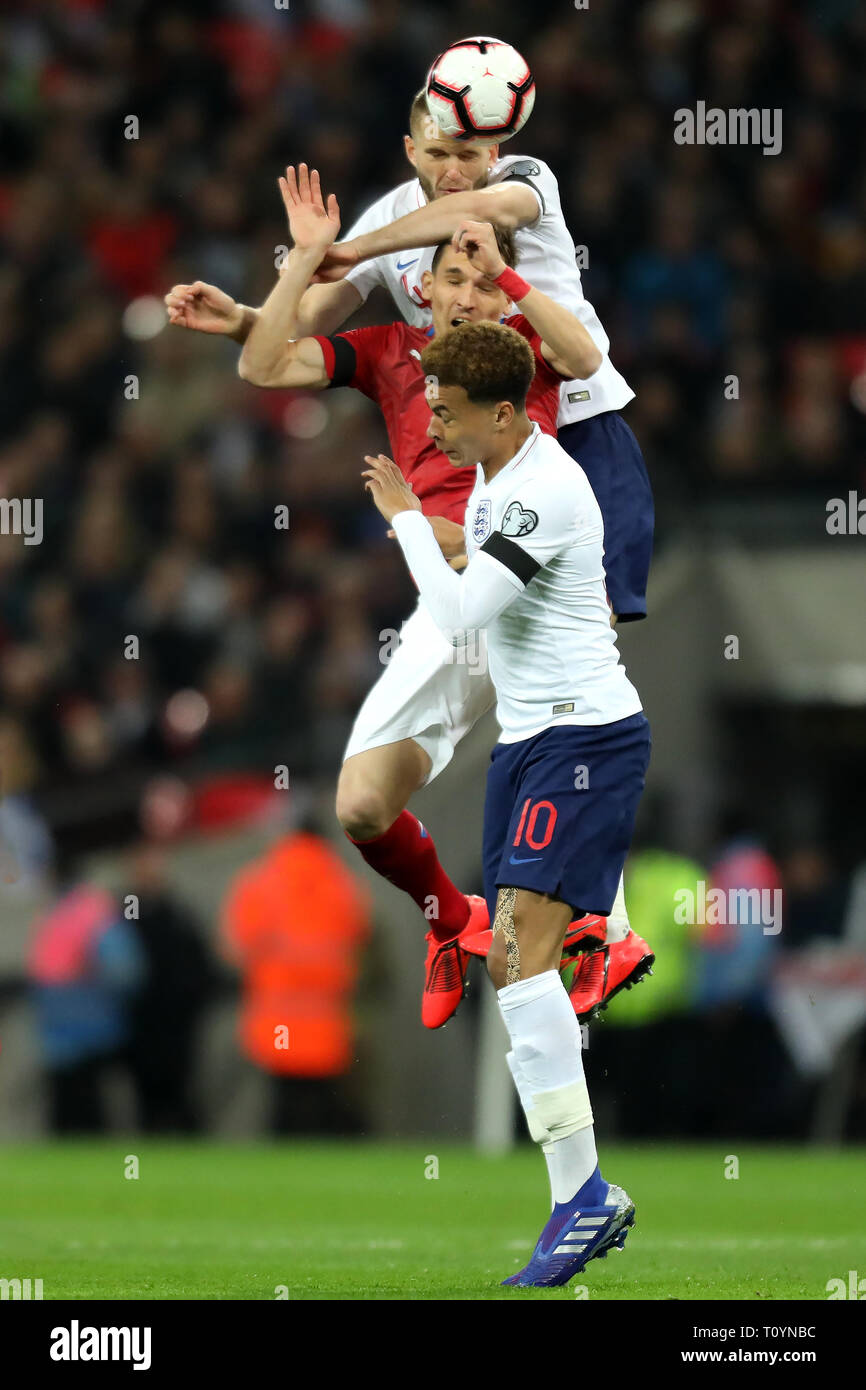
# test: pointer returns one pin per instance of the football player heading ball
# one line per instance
(392, 245)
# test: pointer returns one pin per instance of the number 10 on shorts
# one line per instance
(535, 827)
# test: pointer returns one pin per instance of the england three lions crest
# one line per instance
(481, 521)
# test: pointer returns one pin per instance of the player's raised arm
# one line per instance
(565, 343)
(207, 309)
(268, 357)
(508, 204)
(457, 604)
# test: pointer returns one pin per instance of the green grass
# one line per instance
(215, 1221)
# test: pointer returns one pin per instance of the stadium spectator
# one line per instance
(740, 920)
(816, 895)
(179, 980)
(295, 923)
(641, 1058)
(84, 966)
(26, 847)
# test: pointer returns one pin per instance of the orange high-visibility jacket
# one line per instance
(294, 922)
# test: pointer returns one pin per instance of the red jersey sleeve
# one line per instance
(358, 365)
(543, 370)
(525, 329)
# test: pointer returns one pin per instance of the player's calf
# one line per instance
(528, 930)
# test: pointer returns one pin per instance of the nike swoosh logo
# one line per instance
(537, 859)
(407, 264)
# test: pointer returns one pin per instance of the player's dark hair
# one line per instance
(491, 362)
(504, 240)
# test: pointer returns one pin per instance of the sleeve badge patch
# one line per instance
(524, 170)
(518, 521)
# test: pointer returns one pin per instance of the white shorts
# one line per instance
(430, 691)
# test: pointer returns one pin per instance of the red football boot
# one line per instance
(476, 936)
(595, 977)
(587, 933)
(446, 965)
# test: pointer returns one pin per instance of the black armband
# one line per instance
(341, 369)
(509, 554)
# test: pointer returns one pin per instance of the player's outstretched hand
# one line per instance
(203, 307)
(313, 225)
(388, 488)
(478, 240)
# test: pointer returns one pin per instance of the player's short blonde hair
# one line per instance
(490, 361)
(418, 110)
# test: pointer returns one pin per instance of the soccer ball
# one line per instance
(480, 88)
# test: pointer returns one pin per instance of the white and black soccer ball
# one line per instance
(480, 88)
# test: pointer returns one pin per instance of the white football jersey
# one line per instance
(535, 585)
(553, 654)
(547, 261)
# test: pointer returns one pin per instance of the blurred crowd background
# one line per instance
(160, 470)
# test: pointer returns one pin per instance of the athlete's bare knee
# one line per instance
(375, 786)
(362, 809)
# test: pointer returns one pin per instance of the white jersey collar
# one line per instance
(529, 442)
(512, 463)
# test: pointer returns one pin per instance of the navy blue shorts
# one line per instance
(610, 456)
(560, 811)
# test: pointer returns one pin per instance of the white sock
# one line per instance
(547, 1067)
(617, 922)
(522, 1089)
(570, 1162)
(564, 1157)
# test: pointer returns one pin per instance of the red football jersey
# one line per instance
(387, 368)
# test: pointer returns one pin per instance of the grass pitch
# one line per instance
(362, 1221)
